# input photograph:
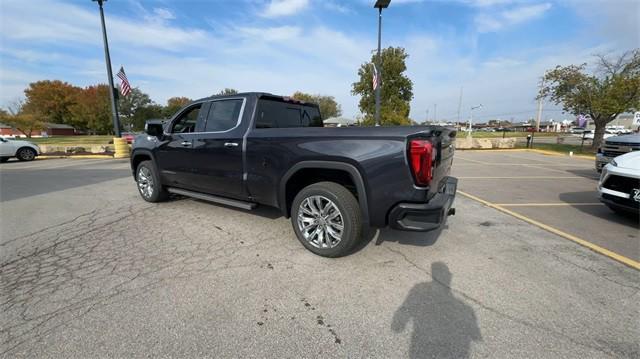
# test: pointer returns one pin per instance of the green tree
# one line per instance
(50, 101)
(227, 91)
(612, 89)
(142, 114)
(129, 105)
(396, 91)
(174, 104)
(21, 120)
(328, 105)
(91, 110)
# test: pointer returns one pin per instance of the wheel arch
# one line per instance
(354, 174)
(140, 155)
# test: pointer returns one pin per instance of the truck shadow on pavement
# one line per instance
(443, 325)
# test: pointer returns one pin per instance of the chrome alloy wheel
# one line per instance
(145, 182)
(320, 222)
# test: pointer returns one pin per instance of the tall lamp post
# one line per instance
(114, 106)
(471, 118)
(380, 4)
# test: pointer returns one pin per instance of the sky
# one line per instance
(495, 51)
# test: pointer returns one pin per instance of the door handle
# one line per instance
(185, 143)
(231, 144)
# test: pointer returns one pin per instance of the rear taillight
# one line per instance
(421, 156)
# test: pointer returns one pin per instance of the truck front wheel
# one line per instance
(326, 218)
(149, 184)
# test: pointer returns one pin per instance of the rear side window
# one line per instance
(281, 114)
(223, 115)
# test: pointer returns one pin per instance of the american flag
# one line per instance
(375, 80)
(125, 86)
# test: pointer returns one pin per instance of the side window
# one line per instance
(187, 121)
(223, 115)
(279, 114)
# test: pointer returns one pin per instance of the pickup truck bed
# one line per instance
(397, 176)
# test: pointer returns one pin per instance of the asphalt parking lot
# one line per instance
(556, 191)
(88, 269)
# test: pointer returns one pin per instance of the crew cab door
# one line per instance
(175, 156)
(217, 150)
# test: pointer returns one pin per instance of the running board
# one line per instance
(211, 198)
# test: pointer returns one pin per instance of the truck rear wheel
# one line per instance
(327, 219)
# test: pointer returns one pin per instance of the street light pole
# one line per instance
(471, 119)
(380, 4)
(114, 106)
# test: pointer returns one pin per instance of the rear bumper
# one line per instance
(423, 217)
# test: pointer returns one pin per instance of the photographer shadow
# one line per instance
(443, 325)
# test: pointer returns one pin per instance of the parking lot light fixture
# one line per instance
(471, 119)
(380, 4)
(114, 106)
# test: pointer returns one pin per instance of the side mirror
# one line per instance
(154, 128)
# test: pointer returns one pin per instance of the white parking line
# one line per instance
(44, 165)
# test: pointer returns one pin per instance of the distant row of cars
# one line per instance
(618, 160)
(609, 131)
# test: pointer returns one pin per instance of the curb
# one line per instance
(544, 152)
(49, 157)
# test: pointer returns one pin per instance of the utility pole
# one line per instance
(471, 119)
(459, 104)
(435, 113)
(539, 117)
(114, 106)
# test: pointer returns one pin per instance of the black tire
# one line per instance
(349, 211)
(26, 154)
(146, 172)
(4, 159)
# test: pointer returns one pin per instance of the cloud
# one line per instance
(487, 3)
(57, 22)
(277, 33)
(613, 20)
(278, 8)
(164, 14)
(492, 21)
(336, 6)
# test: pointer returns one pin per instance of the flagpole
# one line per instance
(378, 68)
(114, 106)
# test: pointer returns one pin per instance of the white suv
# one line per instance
(619, 184)
(22, 150)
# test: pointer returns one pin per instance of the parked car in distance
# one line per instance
(613, 147)
(129, 136)
(577, 130)
(589, 135)
(334, 183)
(619, 184)
(22, 150)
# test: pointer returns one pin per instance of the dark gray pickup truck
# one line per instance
(334, 183)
